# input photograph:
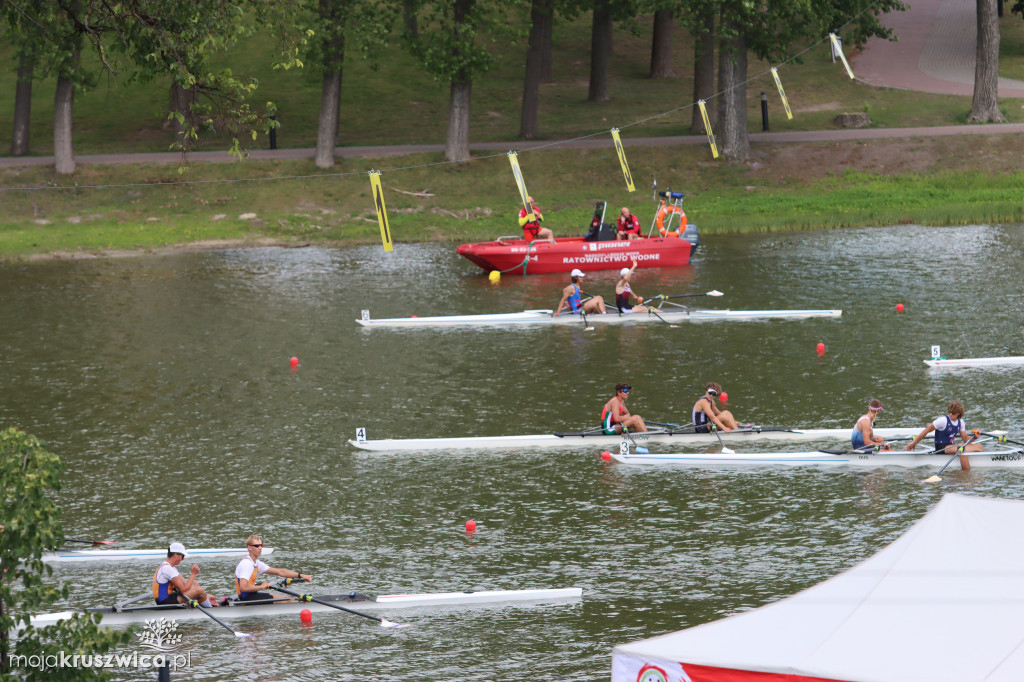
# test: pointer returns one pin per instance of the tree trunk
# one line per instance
(63, 109)
(600, 51)
(182, 102)
(661, 45)
(540, 17)
(545, 54)
(22, 106)
(409, 18)
(985, 104)
(731, 130)
(456, 146)
(330, 114)
(703, 68)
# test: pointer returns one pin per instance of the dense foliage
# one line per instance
(29, 474)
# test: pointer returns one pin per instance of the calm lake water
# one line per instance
(164, 384)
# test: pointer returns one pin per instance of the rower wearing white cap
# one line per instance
(572, 298)
(251, 566)
(623, 292)
(170, 588)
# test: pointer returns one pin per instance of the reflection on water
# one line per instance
(164, 384)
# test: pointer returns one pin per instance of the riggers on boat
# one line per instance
(598, 250)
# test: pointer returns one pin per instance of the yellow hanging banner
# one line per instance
(622, 160)
(837, 51)
(382, 212)
(782, 93)
(707, 127)
(513, 159)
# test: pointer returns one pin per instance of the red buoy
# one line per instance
(306, 616)
(606, 456)
(470, 526)
(899, 307)
(821, 348)
(724, 396)
(294, 361)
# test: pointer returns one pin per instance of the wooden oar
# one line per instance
(959, 451)
(384, 623)
(91, 542)
(195, 604)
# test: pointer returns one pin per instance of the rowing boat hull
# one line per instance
(73, 555)
(130, 615)
(546, 317)
(508, 255)
(1012, 458)
(977, 362)
(581, 440)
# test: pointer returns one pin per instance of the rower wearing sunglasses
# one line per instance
(251, 566)
(706, 412)
(615, 416)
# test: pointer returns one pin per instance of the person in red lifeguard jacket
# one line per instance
(628, 226)
(532, 229)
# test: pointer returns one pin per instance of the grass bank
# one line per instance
(788, 187)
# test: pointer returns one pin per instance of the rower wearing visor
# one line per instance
(863, 436)
(615, 417)
(251, 566)
(170, 588)
(572, 298)
(706, 412)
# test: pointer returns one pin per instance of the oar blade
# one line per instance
(933, 479)
(242, 635)
(715, 292)
(385, 623)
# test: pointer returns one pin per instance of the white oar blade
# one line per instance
(242, 634)
(385, 623)
(642, 450)
(715, 292)
(932, 479)
(727, 451)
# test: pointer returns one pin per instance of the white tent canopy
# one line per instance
(943, 602)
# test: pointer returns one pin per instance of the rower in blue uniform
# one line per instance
(572, 298)
(946, 430)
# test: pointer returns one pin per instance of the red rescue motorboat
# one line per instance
(599, 250)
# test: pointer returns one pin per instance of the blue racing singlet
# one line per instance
(577, 296)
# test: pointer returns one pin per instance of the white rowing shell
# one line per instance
(141, 614)
(68, 555)
(993, 458)
(977, 362)
(534, 317)
(547, 440)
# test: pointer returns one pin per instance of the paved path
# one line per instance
(935, 53)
